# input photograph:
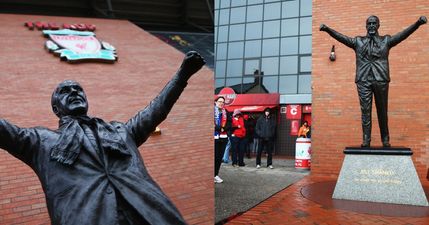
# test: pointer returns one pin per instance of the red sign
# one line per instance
(293, 112)
(54, 26)
(294, 127)
(228, 94)
(306, 109)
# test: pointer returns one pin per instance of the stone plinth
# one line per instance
(385, 175)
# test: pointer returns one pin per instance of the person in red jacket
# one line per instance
(237, 138)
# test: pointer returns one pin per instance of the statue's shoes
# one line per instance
(365, 144)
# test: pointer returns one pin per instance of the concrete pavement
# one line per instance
(245, 187)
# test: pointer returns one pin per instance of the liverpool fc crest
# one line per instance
(77, 46)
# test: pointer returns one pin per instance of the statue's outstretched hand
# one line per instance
(192, 62)
(422, 20)
(323, 27)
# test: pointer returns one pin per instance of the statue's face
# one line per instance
(69, 99)
(372, 25)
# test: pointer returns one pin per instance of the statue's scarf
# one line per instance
(372, 47)
(66, 150)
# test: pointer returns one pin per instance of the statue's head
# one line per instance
(372, 25)
(69, 99)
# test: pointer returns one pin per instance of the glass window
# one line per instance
(238, 2)
(305, 25)
(270, 47)
(247, 80)
(216, 17)
(253, 30)
(254, 1)
(238, 15)
(304, 84)
(217, 5)
(289, 46)
(221, 51)
(235, 50)
(253, 49)
(272, 11)
(223, 34)
(236, 32)
(305, 65)
(271, 83)
(250, 66)
(306, 6)
(270, 66)
(233, 81)
(220, 69)
(290, 27)
(254, 13)
(271, 29)
(215, 34)
(219, 83)
(305, 44)
(234, 68)
(288, 84)
(290, 9)
(224, 3)
(289, 65)
(223, 16)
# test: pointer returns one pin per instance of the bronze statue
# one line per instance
(372, 71)
(91, 170)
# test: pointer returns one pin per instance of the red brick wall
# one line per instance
(336, 109)
(180, 160)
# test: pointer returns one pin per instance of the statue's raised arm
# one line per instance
(146, 120)
(348, 41)
(20, 142)
(397, 38)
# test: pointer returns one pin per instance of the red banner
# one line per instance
(306, 109)
(294, 127)
(293, 112)
(248, 102)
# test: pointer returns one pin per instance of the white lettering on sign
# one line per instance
(293, 110)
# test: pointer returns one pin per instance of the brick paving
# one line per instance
(290, 207)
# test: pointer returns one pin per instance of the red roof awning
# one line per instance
(253, 102)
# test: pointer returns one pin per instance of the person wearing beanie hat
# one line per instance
(266, 130)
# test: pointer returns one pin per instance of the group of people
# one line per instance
(234, 129)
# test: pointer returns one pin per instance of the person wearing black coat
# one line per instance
(266, 130)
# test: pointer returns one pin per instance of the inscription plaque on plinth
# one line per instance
(379, 175)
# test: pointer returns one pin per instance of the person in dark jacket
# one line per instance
(266, 130)
(91, 170)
